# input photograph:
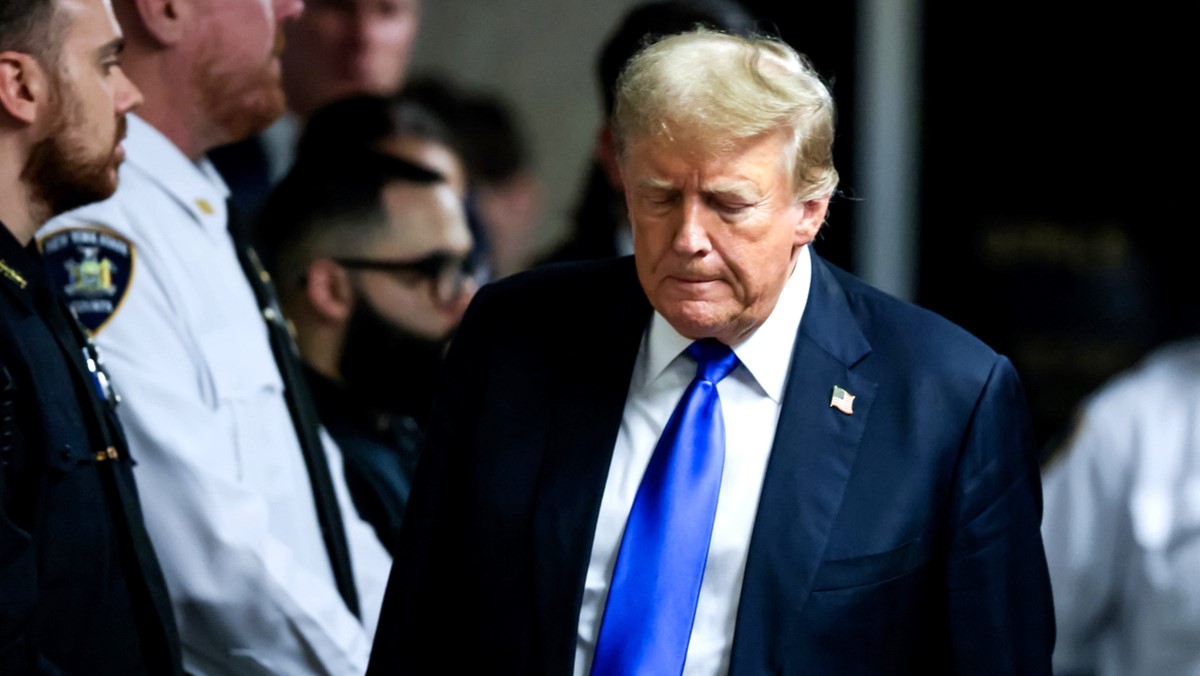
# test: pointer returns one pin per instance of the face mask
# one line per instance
(388, 366)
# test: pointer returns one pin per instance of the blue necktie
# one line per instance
(656, 583)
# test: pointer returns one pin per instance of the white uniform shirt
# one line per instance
(750, 402)
(224, 487)
(1122, 525)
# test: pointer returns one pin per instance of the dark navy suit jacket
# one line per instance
(901, 539)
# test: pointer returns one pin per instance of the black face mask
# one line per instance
(389, 367)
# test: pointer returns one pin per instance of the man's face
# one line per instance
(77, 163)
(237, 66)
(425, 220)
(341, 48)
(715, 235)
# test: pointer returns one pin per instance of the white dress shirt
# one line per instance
(1122, 525)
(750, 402)
(222, 478)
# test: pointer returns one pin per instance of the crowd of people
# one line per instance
(280, 393)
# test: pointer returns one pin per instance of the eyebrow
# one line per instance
(655, 184)
(111, 48)
(734, 188)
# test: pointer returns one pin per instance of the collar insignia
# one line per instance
(11, 274)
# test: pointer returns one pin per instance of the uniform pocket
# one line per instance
(872, 568)
(249, 391)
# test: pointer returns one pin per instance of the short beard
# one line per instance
(59, 173)
(388, 366)
(241, 113)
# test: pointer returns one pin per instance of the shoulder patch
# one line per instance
(93, 268)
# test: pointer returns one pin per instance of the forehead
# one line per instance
(89, 21)
(762, 157)
(425, 217)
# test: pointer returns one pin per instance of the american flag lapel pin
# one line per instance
(842, 400)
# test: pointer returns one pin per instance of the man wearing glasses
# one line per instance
(371, 257)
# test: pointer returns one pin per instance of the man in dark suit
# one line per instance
(81, 591)
(846, 485)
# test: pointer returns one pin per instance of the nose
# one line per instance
(691, 239)
(288, 9)
(127, 96)
(465, 294)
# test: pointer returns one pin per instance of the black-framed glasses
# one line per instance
(447, 273)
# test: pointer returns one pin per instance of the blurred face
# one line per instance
(238, 71)
(715, 236)
(340, 48)
(424, 221)
(77, 164)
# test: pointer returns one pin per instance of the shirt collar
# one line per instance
(766, 353)
(18, 264)
(197, 186)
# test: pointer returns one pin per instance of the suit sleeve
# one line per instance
(1001, 616)
(419, 605)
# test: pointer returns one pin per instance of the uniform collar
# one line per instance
(196, 186)
(766, 353)
(18, 264)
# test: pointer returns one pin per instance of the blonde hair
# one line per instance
(717, 89)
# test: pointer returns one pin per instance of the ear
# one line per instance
(810, 218)
(164, 21)
(606, 155)
(24, 87)
(329, 291)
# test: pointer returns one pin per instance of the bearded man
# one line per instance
(372, 255)
(269, 568)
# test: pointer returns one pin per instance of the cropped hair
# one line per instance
(717, 90)
(33, 27)
(331, 199)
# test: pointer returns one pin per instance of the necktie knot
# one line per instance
(714, 359)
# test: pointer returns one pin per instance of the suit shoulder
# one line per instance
(562, 290)
(901, 332)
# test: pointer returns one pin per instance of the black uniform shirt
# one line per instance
(80, 586)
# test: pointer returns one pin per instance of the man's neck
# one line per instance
(171, 105)
(19, 210)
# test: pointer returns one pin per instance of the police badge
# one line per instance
(93, 268)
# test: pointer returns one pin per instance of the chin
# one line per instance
(694, 320)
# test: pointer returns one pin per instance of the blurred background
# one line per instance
(1015, 166)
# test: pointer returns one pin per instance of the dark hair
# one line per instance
(327, 189)
(30, 26)
(651, 21)
(364, 121)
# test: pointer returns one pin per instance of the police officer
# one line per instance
(80, 586)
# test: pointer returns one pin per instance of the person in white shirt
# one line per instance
(1122, 524)
(265, 559)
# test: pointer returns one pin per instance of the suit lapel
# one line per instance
(586, 411)
(811, 460)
